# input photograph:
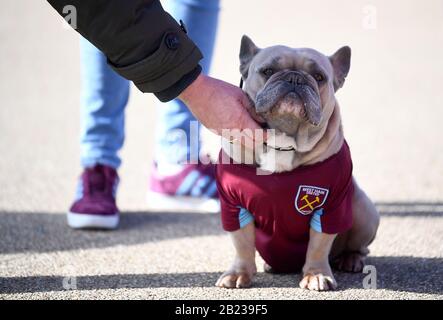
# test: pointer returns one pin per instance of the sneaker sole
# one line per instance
(161, 202)
(92, 221)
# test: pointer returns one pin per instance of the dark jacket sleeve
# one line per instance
(142, 42)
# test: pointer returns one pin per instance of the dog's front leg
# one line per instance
(243, 268)
(317, 273)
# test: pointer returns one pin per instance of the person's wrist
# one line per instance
(192, 90)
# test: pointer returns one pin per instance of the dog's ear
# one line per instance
(247, 51)
(341, 62)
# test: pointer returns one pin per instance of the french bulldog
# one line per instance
(295, 225)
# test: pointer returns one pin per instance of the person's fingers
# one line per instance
(248, 139)
(249, 122)
(245, 100)
(252, 132)
(257, 120)
(248, 104)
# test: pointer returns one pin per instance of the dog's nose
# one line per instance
(296, 79)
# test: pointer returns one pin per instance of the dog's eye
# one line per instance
(268, 72)
(319, 77)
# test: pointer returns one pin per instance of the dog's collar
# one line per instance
(280, 148)
(271, 147)
(264, 143)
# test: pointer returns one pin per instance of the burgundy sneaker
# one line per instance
(192, 189)
(94, 206)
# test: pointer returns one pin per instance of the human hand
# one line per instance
(219, 105)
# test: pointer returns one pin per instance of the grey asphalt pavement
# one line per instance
(392, 113)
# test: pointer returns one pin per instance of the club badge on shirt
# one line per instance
(310, 198)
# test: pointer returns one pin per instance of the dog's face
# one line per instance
(293, 90)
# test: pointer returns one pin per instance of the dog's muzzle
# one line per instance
(294, 86)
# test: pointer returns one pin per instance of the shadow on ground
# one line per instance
(409, 274)
(46, 232)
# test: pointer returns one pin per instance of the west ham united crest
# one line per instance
(310, 198)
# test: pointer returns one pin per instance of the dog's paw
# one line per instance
(234, 279)
(349, 262)
(268, 269)
(318, 282)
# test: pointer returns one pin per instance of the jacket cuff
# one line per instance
(178, 87)
(176, 57)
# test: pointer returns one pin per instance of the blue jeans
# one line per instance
(105, 95)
